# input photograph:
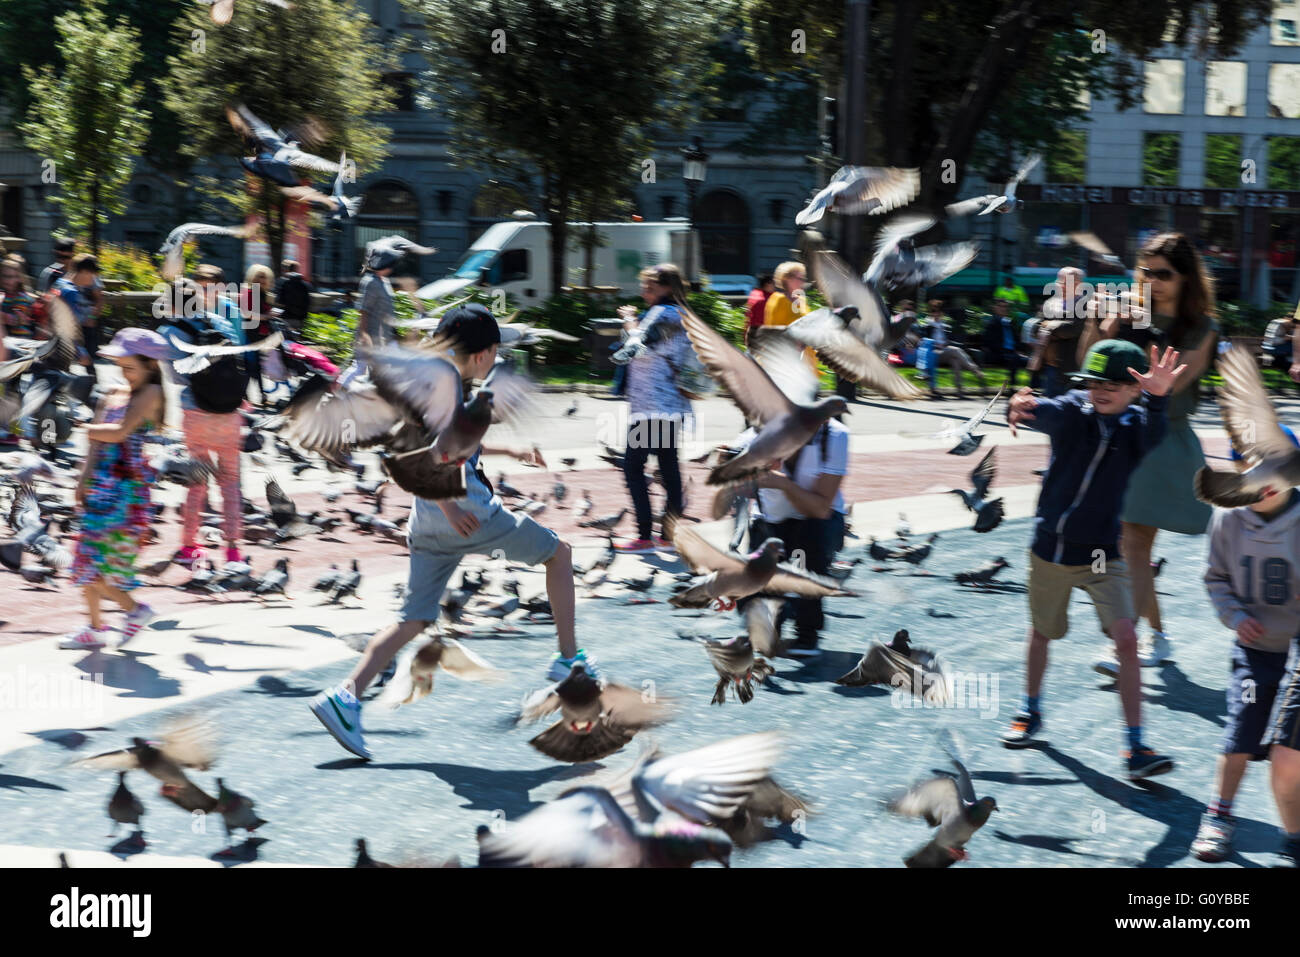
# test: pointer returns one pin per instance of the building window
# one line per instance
(1284, 162)
(1067, 157)
(1286, 15)
(1225, 88)
(403, 87)
(1164, 86)
(1160, 156)
(1223, 161)
(723, 220)
(1284, 90)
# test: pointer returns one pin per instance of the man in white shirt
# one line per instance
(804, 507)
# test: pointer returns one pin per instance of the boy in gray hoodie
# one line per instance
(1253, 579)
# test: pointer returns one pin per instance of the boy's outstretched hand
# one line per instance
(1020, 404)
(1160, 380)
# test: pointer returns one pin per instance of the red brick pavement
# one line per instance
(30, 612)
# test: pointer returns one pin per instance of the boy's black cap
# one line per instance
(469, 329)
(65, 245)
(1109, 361)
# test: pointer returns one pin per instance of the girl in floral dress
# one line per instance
(113, 490)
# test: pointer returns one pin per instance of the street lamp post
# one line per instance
(694, 167)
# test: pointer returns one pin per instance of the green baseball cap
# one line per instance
(1110, 360)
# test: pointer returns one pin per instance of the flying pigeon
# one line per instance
(340, 205)
(201, 356)
(596, 718)
(988, 512)
(223, 10)
(1007, 202)
(726, 578)
(173, 247)
(274, 158)
(899, 665)
(862, 189)
(188, 742)
(416, 679)
(947, 802)
(661, 816)
(736, 659)
(1250, 420)
(962, 432)
(783, 427)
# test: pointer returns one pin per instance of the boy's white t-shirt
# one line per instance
(774, 504)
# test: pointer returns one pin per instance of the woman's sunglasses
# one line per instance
(1164, 275)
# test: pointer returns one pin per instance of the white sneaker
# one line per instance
(87, 638)
(1159, 650)
(135, 621)
(341, 719)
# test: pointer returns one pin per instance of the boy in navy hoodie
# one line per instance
(1099, 435)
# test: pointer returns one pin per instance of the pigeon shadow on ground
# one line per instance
(826, 667)
(196, 663)
(1047, 842)
(17, 782)
(778, 689)
(1017, 777)
(243, 853)
(166, 624)
(68, 738)
(213, 640)
(130, 845)
(996, 588)
(126, 670)
(278, 687)
(862, 691)
(489, 790)
(312, 630)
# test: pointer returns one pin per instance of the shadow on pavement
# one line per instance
(125, 670)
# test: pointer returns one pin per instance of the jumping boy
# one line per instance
(1098, 438)
(442, 533)
(1252, 578)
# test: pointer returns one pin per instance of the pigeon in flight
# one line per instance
(386, 251)
(1250, 420)
(862, 189)
(415, 680)
(947, 802)
(596, 718)
(173, 248)
(963, 432)
(188, 742)
(899, 665)
(1100, 251)
(274, 158)
(664, 813)
(1007, 202)
(340, 205)
(223, 10)
(909, 265)
(200, 356)
(783, 427)
(725, 578)
(737, 660)
(898, 230)
(988, 512)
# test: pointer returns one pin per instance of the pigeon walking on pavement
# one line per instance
(984, 574)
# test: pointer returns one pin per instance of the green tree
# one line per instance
(91, 126)
(1160, 157)
(1284, 162)
(1223, 161)
(318, 64)
(25, 40)
(565, 93)
(1067, 157)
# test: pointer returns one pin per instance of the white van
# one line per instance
(516, 257)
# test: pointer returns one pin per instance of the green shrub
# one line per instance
(1237, 318)
(133, 266)
(333, 335)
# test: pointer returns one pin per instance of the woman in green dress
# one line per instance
(1180, 298)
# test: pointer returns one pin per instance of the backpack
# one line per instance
(220, 388)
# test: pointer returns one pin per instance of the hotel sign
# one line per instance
(1160, 196)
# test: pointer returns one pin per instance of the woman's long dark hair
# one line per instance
(1196, 300)
(667, 274)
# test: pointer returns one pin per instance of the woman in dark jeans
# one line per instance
(803, 507)
(657, 347)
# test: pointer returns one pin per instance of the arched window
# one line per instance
(723, 220)
(494, 202)
(389, 209)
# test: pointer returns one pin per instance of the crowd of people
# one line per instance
(1115, 395)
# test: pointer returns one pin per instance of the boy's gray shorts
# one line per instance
(436, 552)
